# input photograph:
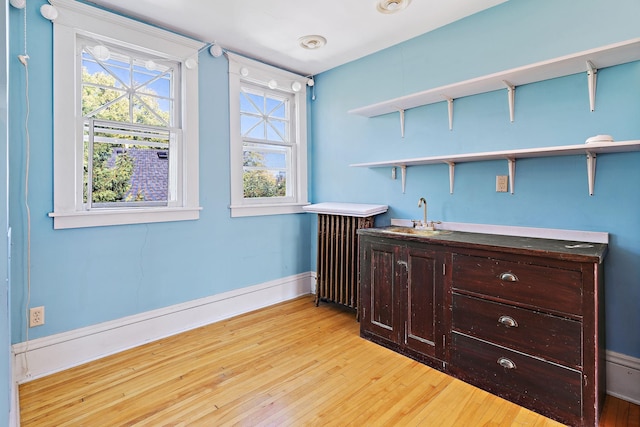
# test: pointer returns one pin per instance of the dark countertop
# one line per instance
(563, 249)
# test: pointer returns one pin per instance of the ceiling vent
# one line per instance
(312, 42)
(392, 6)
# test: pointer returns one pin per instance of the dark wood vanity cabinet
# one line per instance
(401, 297)
(518, 317)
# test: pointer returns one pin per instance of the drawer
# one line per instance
(542, 335)
(544, 387)
(536, 286)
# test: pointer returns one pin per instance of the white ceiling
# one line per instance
(269, 30)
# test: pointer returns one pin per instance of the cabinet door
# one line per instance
(379, 300)
(423, 296)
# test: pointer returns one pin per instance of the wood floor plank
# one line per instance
(634, 416)
(623, 412)
(609, 412)
(287, 365)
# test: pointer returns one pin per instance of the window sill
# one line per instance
(258, 210)
(63, 220)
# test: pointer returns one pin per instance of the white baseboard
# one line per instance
(58, 352)
(623, 377)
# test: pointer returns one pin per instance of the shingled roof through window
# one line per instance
(150, 177)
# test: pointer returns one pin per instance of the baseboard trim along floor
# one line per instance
(68, 349)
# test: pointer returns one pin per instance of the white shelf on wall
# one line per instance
(588, 61)
(590, 150)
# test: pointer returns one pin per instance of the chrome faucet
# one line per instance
(424, 224)
(423, 203)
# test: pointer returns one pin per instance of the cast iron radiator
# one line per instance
(337, 270)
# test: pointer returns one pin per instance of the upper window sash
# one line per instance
(144, 83)
(267, 115)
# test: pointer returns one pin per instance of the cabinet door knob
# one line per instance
(508, 277)
(404, 264)
(506, 363)
(508, 321)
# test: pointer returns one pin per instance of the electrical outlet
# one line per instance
(502, 183)
(36, 316)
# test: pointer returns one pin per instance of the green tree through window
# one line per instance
(259, 182)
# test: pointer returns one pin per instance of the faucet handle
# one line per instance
(416, 222)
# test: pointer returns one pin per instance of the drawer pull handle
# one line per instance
(506, 363)
(508, 321)
(508, 277)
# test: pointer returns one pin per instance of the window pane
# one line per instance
(161, 86)
(112, 168)
(150, 179)
(266, 157)
(251, 103)
(149, 111)
(108, 104)
(257, 131)
(127, 89)
(249, 124)
(118, 66)
(276, 108)
(129, 167)
(260, 183)
(276, 131)
(265, 170)
(263, 116)
(143, 76)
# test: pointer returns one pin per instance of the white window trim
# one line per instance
(75, 18)
(259, 73)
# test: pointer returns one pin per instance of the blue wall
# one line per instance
(87, 276)
(549, 192)
(5, 320)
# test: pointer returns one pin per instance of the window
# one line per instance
(265, 123)
(126, 145)
(268, 139)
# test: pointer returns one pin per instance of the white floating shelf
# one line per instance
(588, 61)
(589, 150)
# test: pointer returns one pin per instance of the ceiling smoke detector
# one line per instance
(312, 42)
(392, 6)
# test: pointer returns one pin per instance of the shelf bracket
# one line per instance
(401, 111)
(403, 172)
(591, 170)
(512, 174)
(592, 76)
(452, 167)
(450, 105)
(511, 94)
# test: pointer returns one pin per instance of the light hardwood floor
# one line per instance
(290, 364)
